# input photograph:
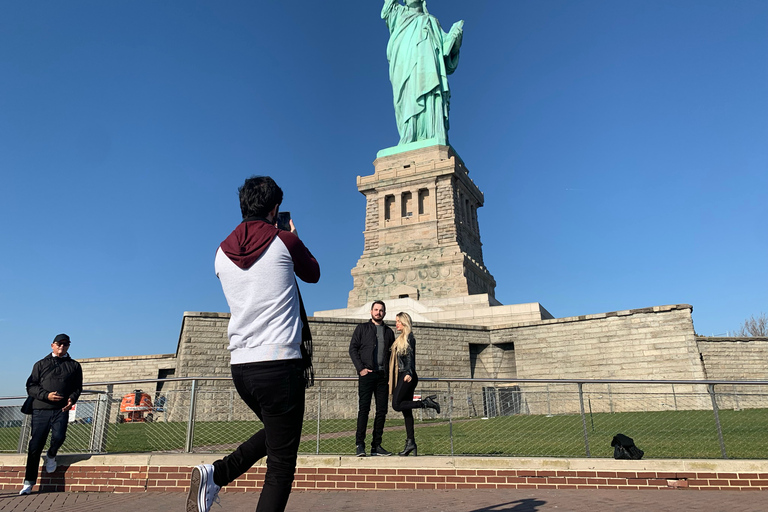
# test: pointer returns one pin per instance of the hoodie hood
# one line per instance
(248, 241)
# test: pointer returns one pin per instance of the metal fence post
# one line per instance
(711, 389)
(610, 398)
(674, 396)
(450, 415)
(549, 405)
(191, 419)
(583, 418)
(24, 433)
(319, 388)
(100, 421)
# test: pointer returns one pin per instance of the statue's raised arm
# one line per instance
(421, 56)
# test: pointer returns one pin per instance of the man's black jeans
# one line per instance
(369, 385)
(43, 422)
(274, 390)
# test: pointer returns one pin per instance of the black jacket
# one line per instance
(406, 363)
(61, 374)
(362, 348)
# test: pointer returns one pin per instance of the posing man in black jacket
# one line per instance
(55, 384)
(369, 350)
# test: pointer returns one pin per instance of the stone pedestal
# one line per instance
(422, 239)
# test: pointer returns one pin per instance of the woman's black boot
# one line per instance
(430, 403)
(410, 446)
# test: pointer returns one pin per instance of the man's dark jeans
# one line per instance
(43, 422)
(369, 385)
(275, 392)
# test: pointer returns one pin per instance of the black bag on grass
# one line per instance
(624, 448)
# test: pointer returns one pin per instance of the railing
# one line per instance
(491, 417)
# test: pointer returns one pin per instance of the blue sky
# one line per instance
(622, 146)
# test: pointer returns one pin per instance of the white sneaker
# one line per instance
(202, 491)
(50, 464)
(26, 488)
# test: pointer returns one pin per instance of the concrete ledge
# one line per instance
(170, 472)
(126, 358)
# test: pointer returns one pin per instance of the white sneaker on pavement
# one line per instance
(26, 488)
(202, 491)
(50, 464)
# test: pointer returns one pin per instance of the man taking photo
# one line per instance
(269, 344)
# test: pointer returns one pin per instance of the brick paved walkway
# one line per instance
(475, 500)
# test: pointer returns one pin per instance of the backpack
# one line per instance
(624, 448)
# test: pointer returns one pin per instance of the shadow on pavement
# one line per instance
(526, 505)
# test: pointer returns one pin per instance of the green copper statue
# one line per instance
(421, 56)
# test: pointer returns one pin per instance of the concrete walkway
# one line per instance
(475, 500)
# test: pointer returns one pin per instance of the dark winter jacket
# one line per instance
(364, 344)
(61, 374)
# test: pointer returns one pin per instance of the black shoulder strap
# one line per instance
(306, 343)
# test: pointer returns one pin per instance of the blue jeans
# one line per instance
(45, 421)
(275, 392)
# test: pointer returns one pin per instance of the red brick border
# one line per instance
(176, 478)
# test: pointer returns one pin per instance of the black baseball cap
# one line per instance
(61, 339)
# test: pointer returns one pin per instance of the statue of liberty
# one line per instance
(421, 56)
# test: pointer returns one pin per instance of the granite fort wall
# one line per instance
(736, 359)
(105, 369)
(652, 343)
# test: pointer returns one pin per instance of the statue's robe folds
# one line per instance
(421, 56)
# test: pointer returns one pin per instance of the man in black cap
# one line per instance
(55, 384)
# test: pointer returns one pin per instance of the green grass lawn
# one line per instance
(9, 439)
(666, 434)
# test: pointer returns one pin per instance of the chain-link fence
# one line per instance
(498, 417)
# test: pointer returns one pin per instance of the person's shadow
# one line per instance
(525, 505)
(57, 481)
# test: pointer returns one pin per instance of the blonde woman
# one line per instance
(402, 375)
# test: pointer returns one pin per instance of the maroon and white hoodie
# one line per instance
(256, 266)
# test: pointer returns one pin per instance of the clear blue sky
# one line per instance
(622, 146)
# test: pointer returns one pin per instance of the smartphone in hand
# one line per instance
(284, 221)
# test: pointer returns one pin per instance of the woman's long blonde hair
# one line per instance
(401, 345)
